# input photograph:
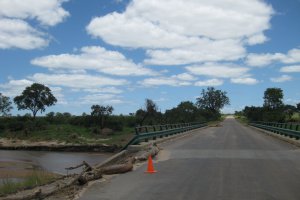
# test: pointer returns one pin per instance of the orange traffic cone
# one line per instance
(150, 169)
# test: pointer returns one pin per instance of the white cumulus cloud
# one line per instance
(210, 82)
(290, 69)
(244, 80)
(79, 81)
(260, 60)
(183, 32)
(281, 79)
(169, 81)
(218, 70)
(16, 15)
(94, 58)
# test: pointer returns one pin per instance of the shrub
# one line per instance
(16, 126)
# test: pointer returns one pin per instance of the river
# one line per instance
(16, 162)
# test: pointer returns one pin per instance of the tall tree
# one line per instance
(151, 109)
(298, 107)
(186, 111)
(35, 98)
(5, 105)
(273, 98)
(101, 112)
(212, 100)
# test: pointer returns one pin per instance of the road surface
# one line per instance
(231, 162)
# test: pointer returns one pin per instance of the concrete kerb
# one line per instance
(280, 137)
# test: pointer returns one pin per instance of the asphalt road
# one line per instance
(231, 162)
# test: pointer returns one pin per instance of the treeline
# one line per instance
(37, 97)
(273, 109)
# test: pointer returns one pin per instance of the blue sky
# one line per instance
(117, 52)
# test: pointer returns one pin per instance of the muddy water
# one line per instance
(15, 163)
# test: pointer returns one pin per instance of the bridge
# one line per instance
(228, 162)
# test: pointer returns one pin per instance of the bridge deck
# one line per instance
(231, 162)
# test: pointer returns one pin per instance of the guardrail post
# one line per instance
(297, 128)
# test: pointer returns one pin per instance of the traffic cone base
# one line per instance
(150, 168)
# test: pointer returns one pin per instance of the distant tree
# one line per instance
(101, 112)
(35, 98)
(298, 107)
(150, 110)
(289, 111)
(253, 113)
(186, 111)
(273, 98)
(50, 117)
(212, 100)
(5, 105)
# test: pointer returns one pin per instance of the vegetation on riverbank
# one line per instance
(273, 110)
(36, 178)
(100, 126)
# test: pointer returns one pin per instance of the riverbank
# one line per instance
(15, 144)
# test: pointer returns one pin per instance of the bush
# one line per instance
(2, 127)
(115, 125)
(40, 124)
(16, 126)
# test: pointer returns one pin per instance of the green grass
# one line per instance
(37, 178)
(72, 134)
(242, 119)
(296, 117)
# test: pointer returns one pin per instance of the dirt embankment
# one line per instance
(7, 144)
(68, 186)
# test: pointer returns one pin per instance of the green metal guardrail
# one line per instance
(287, 129)
(144, 133)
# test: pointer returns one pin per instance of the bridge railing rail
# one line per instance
(144, 133)
(288, 129)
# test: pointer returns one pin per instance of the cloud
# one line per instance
(201, 51)
(184, 77)
(281, 79)
(15, 18)
(210, 82)
(218, 70)
(245, 81)
(290, 69)
(15, 87)
(257, 39)
(169, 81)
(110, 90)
(94, 58)
(198, 31)
(16, 33)
(260, 60)
(77, 81)
(110, 99)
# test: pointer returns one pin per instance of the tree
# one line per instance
(298, 107)
(212, 100)
(101, 112)
(273, 98)
(5, 105)
(151, 109)
(35, 98)
(289, 110)
(186, 111)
